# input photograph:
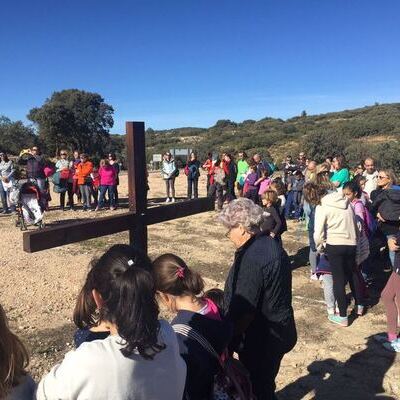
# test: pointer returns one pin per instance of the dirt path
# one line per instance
(38, 292)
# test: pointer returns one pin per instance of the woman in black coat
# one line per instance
(258, 297)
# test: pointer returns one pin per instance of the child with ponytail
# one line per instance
(180, 289)
(140, 357)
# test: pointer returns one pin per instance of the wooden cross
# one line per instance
(135, 221)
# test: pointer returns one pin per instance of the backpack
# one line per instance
(232, 381)
(370, 223)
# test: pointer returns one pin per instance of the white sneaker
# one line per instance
(173, 200)
(168, 200)
(314, 277)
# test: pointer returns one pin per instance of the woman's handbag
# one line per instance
(232, 382)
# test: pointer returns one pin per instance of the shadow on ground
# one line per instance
(330, 379)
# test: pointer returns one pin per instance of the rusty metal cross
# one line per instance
(135, 221)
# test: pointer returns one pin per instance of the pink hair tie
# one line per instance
(180, 272)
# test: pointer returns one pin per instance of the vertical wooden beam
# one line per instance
(137, 182)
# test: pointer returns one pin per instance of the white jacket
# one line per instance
(98, 370)
(168, 168)
(335, 221)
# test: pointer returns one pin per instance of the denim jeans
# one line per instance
(3, 196)
(391, 253)
(111, 195)
(193, 185)
(85, 192)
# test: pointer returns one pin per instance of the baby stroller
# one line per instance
(29, 204)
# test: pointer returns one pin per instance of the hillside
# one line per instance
(363, 131)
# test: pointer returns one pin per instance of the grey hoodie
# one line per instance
(335, 221)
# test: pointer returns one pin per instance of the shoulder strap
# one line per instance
(189, 332)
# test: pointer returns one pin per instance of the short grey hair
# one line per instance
(243, 212)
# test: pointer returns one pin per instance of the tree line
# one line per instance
(77, 119)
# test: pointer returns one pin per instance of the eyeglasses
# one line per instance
(34, 149)
(63, 154)
(228, 234)
(382, 177)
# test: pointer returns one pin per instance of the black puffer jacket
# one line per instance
(387, 203)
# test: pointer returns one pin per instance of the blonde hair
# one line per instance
(270, 196)
(14, 357)
(390, 174)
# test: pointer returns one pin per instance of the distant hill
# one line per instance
(371, 130)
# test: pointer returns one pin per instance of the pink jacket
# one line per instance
(108, 175)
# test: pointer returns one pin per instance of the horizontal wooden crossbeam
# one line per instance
(63, 234)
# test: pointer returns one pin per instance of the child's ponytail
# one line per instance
(173, 276)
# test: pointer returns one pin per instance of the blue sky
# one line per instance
(175, 63)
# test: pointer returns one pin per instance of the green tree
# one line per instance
(15, 136)
(75, 119)
(321, 144)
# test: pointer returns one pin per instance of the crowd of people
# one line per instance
(75, 176)
(125, 351)
(352, 218)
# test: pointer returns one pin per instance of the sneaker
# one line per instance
(112, 208)
(331, 311)
(393, 346)
(84, 209)
(173, 200)
(97, 209)
(337, 319)
(360, 310)
(314, 277)
(168, 200)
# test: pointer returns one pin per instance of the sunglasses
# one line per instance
(63, 154)
(382, 177)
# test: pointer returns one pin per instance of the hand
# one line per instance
(380, 218)
(272, 234)
(392, 243)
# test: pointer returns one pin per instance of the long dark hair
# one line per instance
(4, 155)
(123, 279)
(354, 187)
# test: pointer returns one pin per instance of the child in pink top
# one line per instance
(264, 186)
(108, 178)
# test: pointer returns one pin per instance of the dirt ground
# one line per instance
(38, 293)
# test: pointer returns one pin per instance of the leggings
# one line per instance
(170, 187)
(70, 196)
(342, 260)
(391, 299)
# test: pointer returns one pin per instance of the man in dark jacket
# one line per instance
(262, 165)
(35, 168)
